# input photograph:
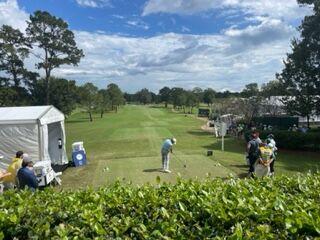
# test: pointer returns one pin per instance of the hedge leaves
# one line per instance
(280, 208)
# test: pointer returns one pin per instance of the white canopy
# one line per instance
(35, 130)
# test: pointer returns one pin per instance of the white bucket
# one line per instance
(261, 170)
(77, 146)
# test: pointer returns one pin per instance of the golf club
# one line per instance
(185, 161)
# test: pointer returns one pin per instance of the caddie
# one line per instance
(272, 144)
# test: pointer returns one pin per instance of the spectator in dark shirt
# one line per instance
(26, 175)
(253, 151)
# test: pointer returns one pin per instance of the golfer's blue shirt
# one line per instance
(167, 144)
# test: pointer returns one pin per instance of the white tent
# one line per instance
(34, 130)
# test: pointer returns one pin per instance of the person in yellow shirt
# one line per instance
(4, 174)
(11, 180)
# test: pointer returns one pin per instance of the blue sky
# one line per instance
(125, 18)
(223, 44)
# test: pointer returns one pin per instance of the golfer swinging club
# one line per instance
(165, 152)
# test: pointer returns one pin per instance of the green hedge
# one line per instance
(280, 208)
(280, 122)
(293, 140)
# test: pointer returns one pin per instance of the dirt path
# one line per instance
(207, 128)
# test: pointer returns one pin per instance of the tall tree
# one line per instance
(129, 97)
(250, 90)
(14, 48)
(116, 96)
(155, 98)
(178, 96)
(208, 96)
(164, 94)
(89, 93)
(103, 101)
(52, 36)
(199, 93)
(249, 108)
(310, 33)
(272, 88)
(8, 96)
(301, 74)
(192, 100)
(63, 94)
(144, 96)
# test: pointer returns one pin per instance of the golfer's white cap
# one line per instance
(174, 141)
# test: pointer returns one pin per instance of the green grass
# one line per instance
(128, 144)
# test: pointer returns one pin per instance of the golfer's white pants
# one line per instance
(165, 160)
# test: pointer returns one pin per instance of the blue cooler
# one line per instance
(79, 158)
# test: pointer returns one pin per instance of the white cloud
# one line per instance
(12, 15)
(273, 8)
(178, 60)
(267, 31)
(118, 16)
(226, 60)
(185, 29)
(94, 3)
(179, 6)
(138, 23)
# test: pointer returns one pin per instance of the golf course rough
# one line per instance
(279, 208)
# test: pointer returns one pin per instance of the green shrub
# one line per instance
(280, 208)
(293, 140)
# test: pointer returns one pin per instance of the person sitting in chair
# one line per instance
(26, 175)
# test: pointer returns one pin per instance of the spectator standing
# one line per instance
(272, 144)
(253, 151)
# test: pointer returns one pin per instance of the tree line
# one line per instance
(183, 98)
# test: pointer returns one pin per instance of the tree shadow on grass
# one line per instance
(243, 175)
(239, 165)
(243, 168)
(152, 170)
(78, 120)
(157, 106)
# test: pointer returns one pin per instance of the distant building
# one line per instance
(274, 106)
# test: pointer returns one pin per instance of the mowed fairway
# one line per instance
(126, 146)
